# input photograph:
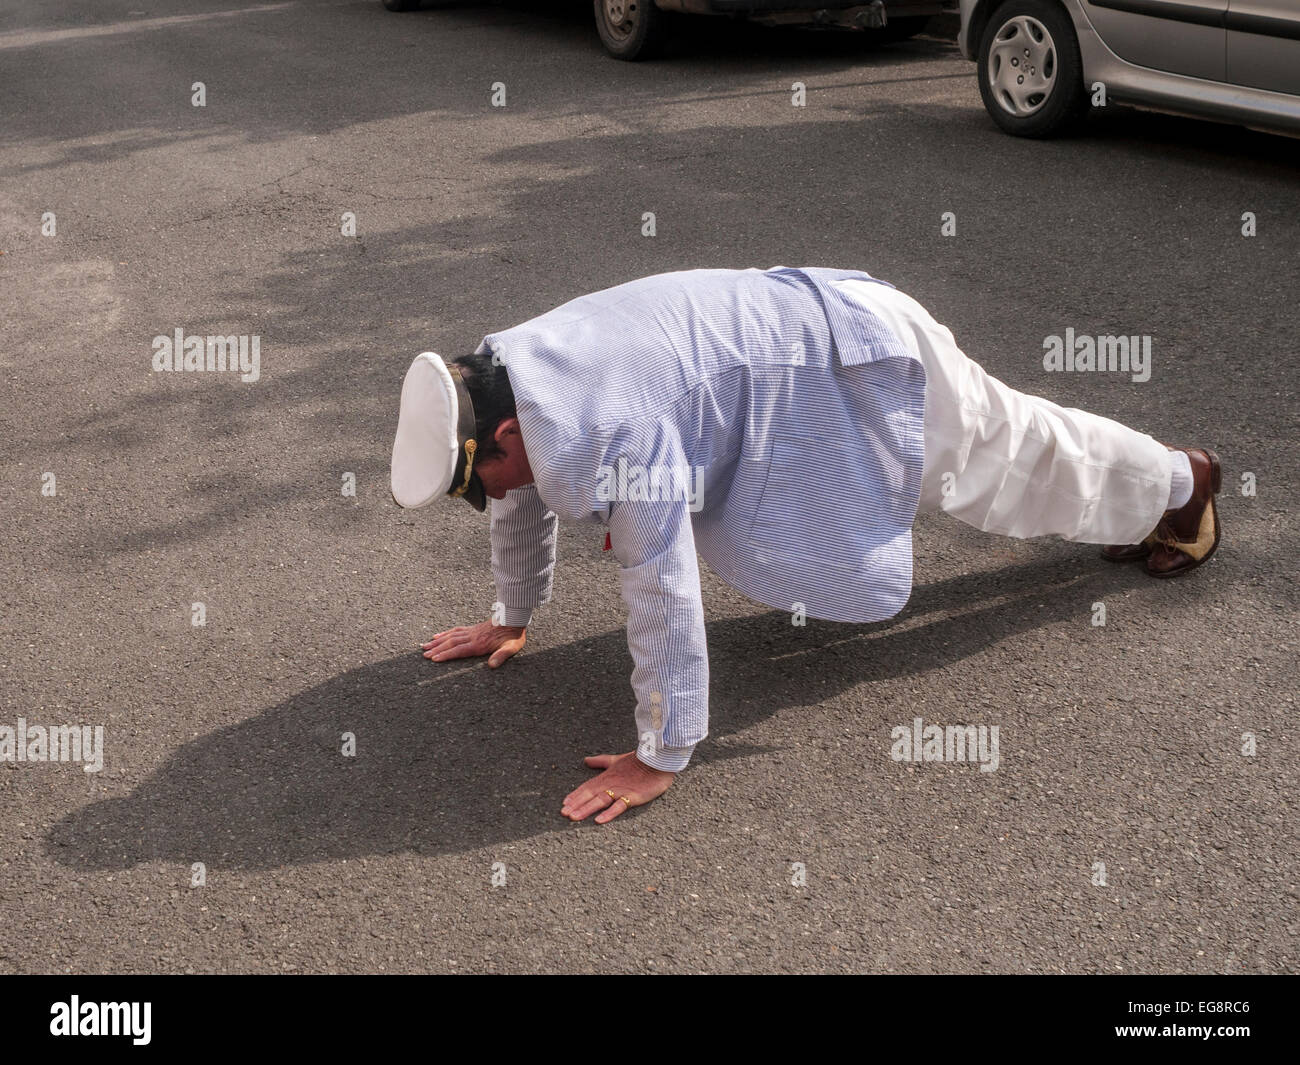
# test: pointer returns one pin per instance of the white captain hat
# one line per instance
(433, 452)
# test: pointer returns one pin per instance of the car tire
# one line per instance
(1030, 70)
(401, 5)
(629, 29)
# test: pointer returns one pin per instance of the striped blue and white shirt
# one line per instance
(756, 417)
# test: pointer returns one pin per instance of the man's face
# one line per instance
(509, 468)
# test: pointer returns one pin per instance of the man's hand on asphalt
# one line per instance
(470, 641)
(623, 777)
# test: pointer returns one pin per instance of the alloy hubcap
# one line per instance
(1022, 66)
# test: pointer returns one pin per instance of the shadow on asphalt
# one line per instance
(455, 757)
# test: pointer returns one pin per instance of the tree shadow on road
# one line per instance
(454, 757)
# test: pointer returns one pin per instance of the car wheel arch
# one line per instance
(983, 14)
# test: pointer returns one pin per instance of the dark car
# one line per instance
(634, 29)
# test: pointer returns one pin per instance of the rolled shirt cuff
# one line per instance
(667, 759)
(516, 617)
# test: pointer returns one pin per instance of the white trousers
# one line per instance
(1015, 464)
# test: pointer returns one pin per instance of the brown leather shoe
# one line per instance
(1188, 536)
(1128, 552)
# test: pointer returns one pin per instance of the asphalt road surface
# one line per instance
(1124, 829)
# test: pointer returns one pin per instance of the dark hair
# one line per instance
(493, 398)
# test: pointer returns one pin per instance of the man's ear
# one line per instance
(506, 427)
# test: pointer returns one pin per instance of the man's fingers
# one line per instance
(453, 640)
(576, 798)
(439, 635)
(583, 795)
(444, 641)
(502, 653)
(601, 761)
(615, 808)
(461, 649)
(597, 802)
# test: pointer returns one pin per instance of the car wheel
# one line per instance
(629, 29)
(1030, 72)
(401, 5)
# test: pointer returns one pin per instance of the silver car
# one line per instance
(1042, 63)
